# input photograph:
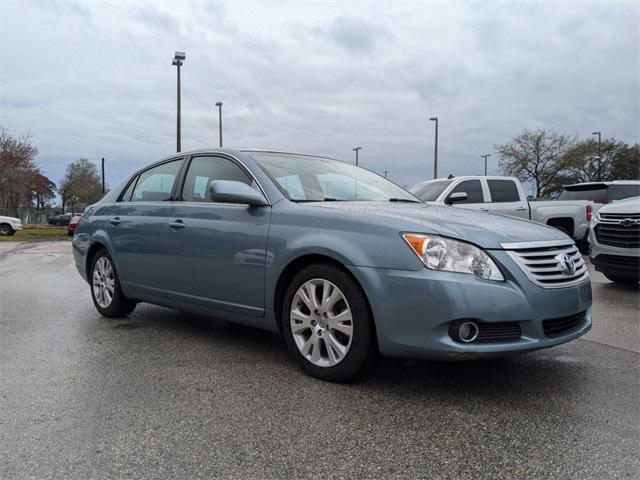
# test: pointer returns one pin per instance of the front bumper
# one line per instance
(17, 226)
(414, 310)
(614, 261)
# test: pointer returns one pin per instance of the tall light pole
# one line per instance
(357, 149)
(178, 58)
(435, 150)
(599, 176)
(385, 173)
(485, 162)
(103, 175)
(219, 105)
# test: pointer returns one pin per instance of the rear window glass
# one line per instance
(595, 193)
(503, 191)
(155, 184)
(620, 192)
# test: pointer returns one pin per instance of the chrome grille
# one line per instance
(548, 264)
(620, 230)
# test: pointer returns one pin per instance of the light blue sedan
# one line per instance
(344, 263)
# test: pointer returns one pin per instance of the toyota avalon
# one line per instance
(344, 263)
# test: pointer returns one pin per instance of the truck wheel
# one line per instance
(6, 230)
(327, 324)
(625, 280)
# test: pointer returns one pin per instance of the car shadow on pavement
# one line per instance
(217, 341)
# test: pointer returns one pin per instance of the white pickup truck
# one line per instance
(571, 213)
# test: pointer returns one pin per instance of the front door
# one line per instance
(220, 253)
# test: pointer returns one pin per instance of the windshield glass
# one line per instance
(429, 191)
(314, 179)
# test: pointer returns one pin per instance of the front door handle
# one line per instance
(521, 209)
(177, 224)
(484, 209)
(115, 221)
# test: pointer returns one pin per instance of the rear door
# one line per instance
(139, 228)
(506, 198)
(219, 256)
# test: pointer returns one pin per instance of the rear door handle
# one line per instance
(484, 209)
(115, 221)
(521, 209)
(177, 224)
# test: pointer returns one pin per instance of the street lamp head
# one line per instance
(357, 148)
(180, 56)
(218, 104)
(433, 119)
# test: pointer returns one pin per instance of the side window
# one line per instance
(204, 170)
(155, 184)
(503, 191)
(126, 196)
(473, 189)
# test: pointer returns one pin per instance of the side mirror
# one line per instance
(456, 197)
(230, 191)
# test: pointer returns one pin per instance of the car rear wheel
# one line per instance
(327, 324)
(105, 288)
(6, 230)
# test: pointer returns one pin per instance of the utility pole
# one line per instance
(357, 149)
(485, 162)
(103, 175)
(435, 150)
(177, 61)
(599, 173)
(219, 105)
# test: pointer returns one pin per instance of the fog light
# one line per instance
(467, 332)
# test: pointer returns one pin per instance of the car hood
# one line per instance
(629, 205)
(483, 229)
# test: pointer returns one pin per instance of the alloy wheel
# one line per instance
(103, 282)
(321, 322)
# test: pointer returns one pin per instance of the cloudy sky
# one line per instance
(94, 79)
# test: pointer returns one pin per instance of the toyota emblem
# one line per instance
(567, 265)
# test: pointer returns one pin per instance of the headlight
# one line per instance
(440, 253)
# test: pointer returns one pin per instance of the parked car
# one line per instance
(71, 228)
(505, 195)
(9, 225)
(61, 220)
(601, 192)
(615, 241)
(346, 264)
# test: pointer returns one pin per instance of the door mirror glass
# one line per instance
(456, 197)
(231, 191)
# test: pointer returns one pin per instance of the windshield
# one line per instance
(314, 179)
(429, 191)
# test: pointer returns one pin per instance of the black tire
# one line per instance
(120, 306)
(363, 351)
(6, 230)
(625, 280)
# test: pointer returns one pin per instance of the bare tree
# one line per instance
(535, 157)
(81, 183)
(18, 170)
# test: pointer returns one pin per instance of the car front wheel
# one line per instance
(105, 288)
(328, 325)
(6, 230)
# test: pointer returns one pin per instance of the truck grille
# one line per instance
(620, 230)
(553, 264)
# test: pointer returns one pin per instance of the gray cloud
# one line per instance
(97, 80)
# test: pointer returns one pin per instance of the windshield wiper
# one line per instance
(403, 200)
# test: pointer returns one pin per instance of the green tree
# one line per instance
(81, 184)
(536, 157)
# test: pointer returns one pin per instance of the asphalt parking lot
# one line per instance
(162, 394)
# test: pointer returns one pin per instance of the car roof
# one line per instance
(235, 151)
(602, 184)
(466, 177)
